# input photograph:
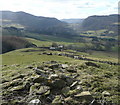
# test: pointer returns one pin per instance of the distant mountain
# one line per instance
(72, 20)
(109, 22)
(37, 24)
(52, 26)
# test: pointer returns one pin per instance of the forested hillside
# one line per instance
(10, 43)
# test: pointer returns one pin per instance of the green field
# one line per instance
(19, 57)
(93, 79)
(102, 55)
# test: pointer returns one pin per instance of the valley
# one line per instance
(46, 61)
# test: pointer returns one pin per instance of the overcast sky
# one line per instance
(62, 8)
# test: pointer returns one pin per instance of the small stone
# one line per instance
(71, 70)
(74, 84)
(35, 102)
(40, 72)
(29, 67)
(58, 84)
(53, 76)
(18, 88)
(49, 54)
(85, 95)
(57, 100)
(65, 91)
(64, 66)
(73, 92)
(43, 89)
(27, 85)
(19, 76)
(69, 80)
(105, 93)
(38, 79)
(34, 88)
(53, 62)
(92, 64)
(79, 88)
(15, 82)
(62, 70)
(68, 99)
(54, 66)
(50, 98)
(47, 93)
(71, 101)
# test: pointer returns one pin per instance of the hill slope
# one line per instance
(37, 73)
(37, 24)
(101, 22)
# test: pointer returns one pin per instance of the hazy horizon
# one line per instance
(58, 18)
(62, 9)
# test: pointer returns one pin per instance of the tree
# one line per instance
(54, 45)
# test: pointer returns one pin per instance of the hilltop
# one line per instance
(52, 77)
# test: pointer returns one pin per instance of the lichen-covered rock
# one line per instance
(58, 84)
(27, 85)
(73, 92)
(105, 93)
(69, 80)
(13, 83)
(40, 72)
(71, 101)
(54, 66)
(77, 90)
(71, 70)
(65, 91)
(92, 64)
(18, 88)
(53, 76)
(43, 90)
(19, 76)
(57, 100)
(38, 79)
(34, 88)
(64, 66)
(85, 95)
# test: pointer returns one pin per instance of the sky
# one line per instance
(62, 9)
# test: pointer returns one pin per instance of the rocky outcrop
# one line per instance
(52, 83)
